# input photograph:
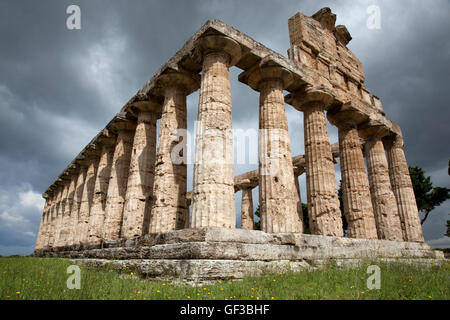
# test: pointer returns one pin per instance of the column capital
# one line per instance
(123, 125)
(149, 104)
(346, 116)
(370, 132)
(266, 70)
(393, 141)
(185, 81)
(311, 96)
(217, 44)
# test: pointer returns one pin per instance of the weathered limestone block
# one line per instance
(136, 214)
(97, 216)
(169, 208)
(86, 200)
(278, 196)
(403, 190)
(78, 194)
(383, 199)
(323, 203)
(119, 178)
(247, 209)
(213, 191)
(358, 208)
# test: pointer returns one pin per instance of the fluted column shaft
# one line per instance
(97, 215)
(86, 201)
(74, 212)
(323, 203)
(298, 200)
(47, 222)
(54, 219)
(403, 191)
(136, 214)
(247, 209)
(66, 222)
(60, 221)
(170, 210)
(118, 185)
(213, 192)
(41, 230)
(278, 197)
(355, 186)
(383, 199)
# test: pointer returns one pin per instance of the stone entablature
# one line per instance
(120, 186)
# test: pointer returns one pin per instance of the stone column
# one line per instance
(74, 212)
(323, 203)
(358, 208)
(298, 200)
(41, 231)
(169, 208)
(278, 197)
(247, 209)
(136, 214)
(97, 216)
(213, 191)
(403, 190)
(86, 199)
(47, 221)
(54, 217)
(118, 182)
(383, 199)
(65, 231)
(60, 221)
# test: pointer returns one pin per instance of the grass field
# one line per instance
(37, 278)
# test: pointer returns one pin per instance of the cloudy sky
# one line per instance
(59, 87)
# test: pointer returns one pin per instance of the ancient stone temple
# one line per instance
(124, 198)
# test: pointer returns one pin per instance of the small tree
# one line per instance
(427, 196)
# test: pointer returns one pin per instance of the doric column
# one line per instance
(247, 209)
(97, 216)
(65, 231)
(87, 197)
(403, 190)
(298, 200)
(41, 231)
(74, 212)
(136, 214)
(358, 208)
(383, 199)
(213, 191)
(169, 208)
(55, 216)
(47, 220)
(60, 221)
(323, 203)
(119, 177)
(278, 197)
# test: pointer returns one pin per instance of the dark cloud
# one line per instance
(58, 88)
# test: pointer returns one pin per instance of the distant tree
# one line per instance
(447, 234)
(427, 196)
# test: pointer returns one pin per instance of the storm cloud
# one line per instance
(59, 87)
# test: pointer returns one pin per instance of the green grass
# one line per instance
(38, 278)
